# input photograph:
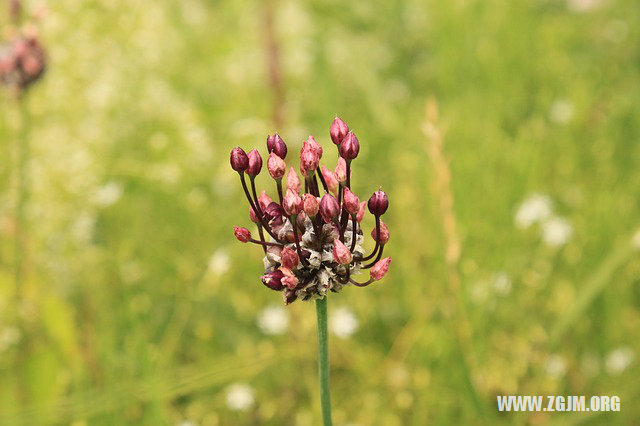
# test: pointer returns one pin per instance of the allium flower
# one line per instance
(314, 243)
(22, 62)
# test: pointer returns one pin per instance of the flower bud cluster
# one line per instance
(314, 241)
(22, 62)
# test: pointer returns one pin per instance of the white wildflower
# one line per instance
(556, 231)
(108, 194)
(561, 111)
(534, 209)
(273, 320)
(9, 336)
(343, 322)
(240, 397)
(501, 283)
(555, 366)
(219, 262)
(582, 6)
(618, 360)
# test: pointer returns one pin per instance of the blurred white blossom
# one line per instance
(561, 111)
(108, 194)
(618, 360)
(556, 231)
(501, 283)
(582, 6)
(273, 320)
(343, 322)
(219, 262)
(9, 336)
(240, 397)
(555, 366)
(534, 209)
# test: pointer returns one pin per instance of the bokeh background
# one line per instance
(506, 134)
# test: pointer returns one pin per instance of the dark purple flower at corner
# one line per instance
(273, 280)
(239, 160)
(329, 208)
(349, 147)
(276, 145)
(338, 131)
(378, 203)
(255, 163)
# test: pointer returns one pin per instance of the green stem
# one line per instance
(23, 153)
(323, 360)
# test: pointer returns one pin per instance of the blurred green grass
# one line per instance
(139, 307)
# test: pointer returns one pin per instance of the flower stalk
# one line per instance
(323, 361)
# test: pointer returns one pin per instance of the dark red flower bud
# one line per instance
(329, 208)
(274, 212)
(276, 144)
(341, 253)
(273, 280)
(351, 202)
(289, 280)
(239, 160)
(338, 131)
(242, 234)
(289, 258)
(384, 234)
(276, 166)
(378, 203)
(380, 269)
(292, 203)
(349, 147)
(255, 163)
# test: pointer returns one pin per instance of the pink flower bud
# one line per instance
(384, 234)
(349, 147)
(253, 216)
(242, 234)
(314, 146)
(292, 203)
(308, 160)
(289, 258)
(330, 179)
(361, 210)
(255, 163)
(341, 253)
(273, 280)
(341, 170)
(264, 200)
(277, 145)
(289, 279)
(311, 205)
(293, 181)
(338, 131)
(380, 269)
(329, 208)
(239, 160)
(378, 203)
(276, 166)
(351, 202)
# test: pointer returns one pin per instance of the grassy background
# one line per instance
(139, 307)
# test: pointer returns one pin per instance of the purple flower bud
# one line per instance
(314, 146)
(273, 214)
(310, 205)
(276, 144)
(289, 258)
(384, 234)
(273, 280)
(329, 179)
(293, 181)
(239, 160)
(351, 202)
(338, 131)
(380, 269)
(255, 163)
(378, 203)
(292, 203)
(329, 208)
(242, 234)
(341, 253)
(349, 147)
(276, 166)
(308, 160)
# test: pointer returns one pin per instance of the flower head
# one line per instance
(315, 242)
